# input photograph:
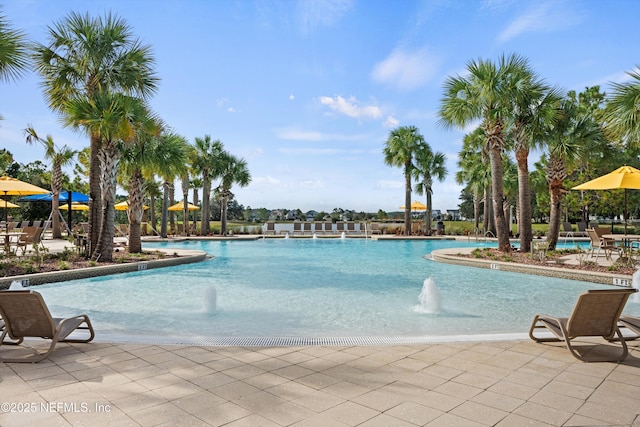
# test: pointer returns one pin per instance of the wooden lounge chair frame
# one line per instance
(596, 313)
(26, 315)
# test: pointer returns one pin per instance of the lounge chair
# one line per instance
(26, 316)
(341, 227)
(582, 229)
(270, 228)
(297, 227)
(567, 230)
(632, 323)
(595, 314)
(351, 227)
(317, 227)
(306, 227)
(328, 227)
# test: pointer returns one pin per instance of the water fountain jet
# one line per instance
(211, 300)
(430, 300)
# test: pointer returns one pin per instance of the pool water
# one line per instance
(313, 288)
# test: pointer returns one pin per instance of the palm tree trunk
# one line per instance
(476, 210)
(206, 194)
(135, 211)
(95, 195)
(109, 158)
(56, 183)
(495, 154)
(195, 213)
(524, 201)
(223, 215)
(407, 200)
(165, 206)
(555, 213)
(429, 215)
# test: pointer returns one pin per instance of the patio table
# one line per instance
(8, 235)
(626, 247)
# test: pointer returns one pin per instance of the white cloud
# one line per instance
(321, 13)
(351, 107)
(391, 122)
(232, 110)
(291, 97)
(406, 70)
(546, 17)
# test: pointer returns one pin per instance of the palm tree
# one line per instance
(534, 108)
(135, 167)
(622, 116)
(13, 51)
(85, 56)
(428, 165)
(487, 94)
(115, 119)
(401, 147)
(476, 172)
(207, 164)
(232, 171)
(171, 162)
(59, 157)
(572, 131)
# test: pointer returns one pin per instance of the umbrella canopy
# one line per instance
(180, 207)
(625, 177)
(416, 206)
(5, 204)
(63, 198)
(75, 207)
(14, 187)
(123, 206)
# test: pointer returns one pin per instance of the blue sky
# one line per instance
(308, 91)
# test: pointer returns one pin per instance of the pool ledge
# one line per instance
(452, 256)
(183, 257)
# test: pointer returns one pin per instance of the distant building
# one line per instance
(311, 215)
(453, 214)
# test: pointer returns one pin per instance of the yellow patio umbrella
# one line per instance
(5, 204)
(625, 177)
(180, 206)
(75, 207)
(14, 187)
(416, 206)
(123, 206)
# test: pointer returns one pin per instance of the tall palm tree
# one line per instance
(136, 163)
(572, 131)
(428, 165)
(487, 94)
(475, 170)
(207, 164)
(87, 55)
(13, 51)
(115, 119)
(622, 116)
(170, 163)
(534, 108)
(232, 171)
(400, 149)
(59, 157)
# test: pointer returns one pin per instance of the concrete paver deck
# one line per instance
(507, 383)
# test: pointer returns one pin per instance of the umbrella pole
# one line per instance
(625, 211)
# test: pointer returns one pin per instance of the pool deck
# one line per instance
(501, 383)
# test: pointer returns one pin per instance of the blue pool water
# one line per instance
(313, 288)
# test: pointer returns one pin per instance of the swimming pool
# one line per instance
(312, 288)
